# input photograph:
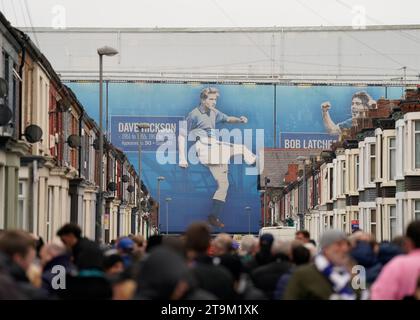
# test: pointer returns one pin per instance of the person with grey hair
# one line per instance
(328, 277)
(222, 244)
(212, 153)
(248, 248)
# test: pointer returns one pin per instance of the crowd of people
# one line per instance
(199, 266)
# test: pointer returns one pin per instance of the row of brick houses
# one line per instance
(369, 180)
(49, 154)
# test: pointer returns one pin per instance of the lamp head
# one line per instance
(107, 51)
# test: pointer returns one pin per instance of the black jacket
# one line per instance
(266, 276)
(87, 255)
(213, 278)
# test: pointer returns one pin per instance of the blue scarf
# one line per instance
(339, 277)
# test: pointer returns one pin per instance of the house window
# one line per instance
(392, 158)
(417, 143)
(344, 222)
(392, 222)
(356, 215)
(356, 171)
(23, 221)
(372, 161)
(343, 180)
(331, 221)
(417, 210)
(373, 222)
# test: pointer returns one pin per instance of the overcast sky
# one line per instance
(208, 13)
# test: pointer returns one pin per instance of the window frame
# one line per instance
(390, 165)
(390, 219)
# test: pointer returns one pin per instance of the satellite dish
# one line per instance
(125, 178)
(33, 133)
(96, 144)
(112, 186)
(5, 114)
(4, 88)
(130, 188)
(65, 105)
(73, 141)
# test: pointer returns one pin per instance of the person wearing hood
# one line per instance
(164, 275)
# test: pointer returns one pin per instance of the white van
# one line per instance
(282, 233)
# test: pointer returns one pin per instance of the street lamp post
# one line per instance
(140, 126)
(266, 181)
(104, 51)
(167, 214)
(159, 179)
(248, 210)
(303, 159)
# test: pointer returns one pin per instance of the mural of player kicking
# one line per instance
(212, 153)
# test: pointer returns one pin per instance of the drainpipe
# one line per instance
(22, 64)
(80, 147)
(35, 180)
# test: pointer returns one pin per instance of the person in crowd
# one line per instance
(363, 252)
(299, 256)
(53, 255)
(329, 276)
(164, 275)
(154, 241)
(139, 247)
(248, 249)
(18, 249)
(265, 277)
(263, 256)
(90, 281)
(210, 276)
(125, 247)
(113, 263)
(398, 278)
(243, 287)
(312, 249)
(389, 250)
(222, 244)
(71, 235)
(303, 236)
